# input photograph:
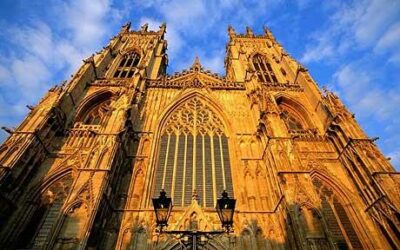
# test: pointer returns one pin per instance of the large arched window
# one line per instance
(293, 116)
(127, 65)
(97, 114)
(264, 70)
(38, 231)
(292, 122)
(193, 155)
(96, 110)
(337, 218)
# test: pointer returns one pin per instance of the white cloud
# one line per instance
(5, 75)
(153, 24)
(355, 25)
(390, 41)
(194, 21)
(48, 49)
(367, 99)
(85, 19)
(376, 106)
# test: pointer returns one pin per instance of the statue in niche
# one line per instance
(193, 222)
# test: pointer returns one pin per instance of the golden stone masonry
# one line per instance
(81, 170)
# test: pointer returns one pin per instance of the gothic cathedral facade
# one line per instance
(81, 169)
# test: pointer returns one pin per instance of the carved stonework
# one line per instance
(82, 168)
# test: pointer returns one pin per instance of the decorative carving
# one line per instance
(196, 117)
(195, 77)
(334, 105)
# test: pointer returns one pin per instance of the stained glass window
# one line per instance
(193, 156)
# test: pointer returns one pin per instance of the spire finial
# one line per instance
(196, 64)
(268, 33)
(249, 31)
(231, 31)
(163, 28)
(144, 27)
(125, 28)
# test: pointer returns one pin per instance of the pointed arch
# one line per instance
(94, 107)
(127, 63)
(48, 197)
(185, 96)
(263, 69)
(52, 178)
(139, 239)
(133, 49)
(311, 227)
(294, 109)
(191, 150)
(74, 216)
(338, 209)
(345, 194)
(137, 189)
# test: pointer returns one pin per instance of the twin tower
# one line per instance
(80, 171)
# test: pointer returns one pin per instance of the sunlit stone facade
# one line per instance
(81, 169)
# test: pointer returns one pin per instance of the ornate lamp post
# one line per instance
(225, 209)
(162, 208)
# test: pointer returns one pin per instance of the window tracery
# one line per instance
(292, 123)
(97, 114)
(127, 65)
(193, 155)
(263, 69)
(337, 218)
(194, 117)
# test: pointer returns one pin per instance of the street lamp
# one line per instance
(225, 209)
(162, 208)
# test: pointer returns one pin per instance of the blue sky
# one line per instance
(352, 47)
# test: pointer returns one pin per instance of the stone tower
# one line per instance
(81, 169)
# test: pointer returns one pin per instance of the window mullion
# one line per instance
(214, 186)
(184, 172)
(165, 163)
(204, 171)
(222, 162)
(174, 168)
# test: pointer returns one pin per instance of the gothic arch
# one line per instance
(41, 213)
(341, 190)
(48, 181)
(180, 99)
(295, 108)
(311, 226)
(145, 146)
(215, 112)
(263, 68)
(137, 188)
(133, 49)
(344, 207)
(255, 53)
(139, 238)
(68, 237)
(92, 101)
(126, 63)
(247, 236)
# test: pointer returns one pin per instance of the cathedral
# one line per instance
(81, 170)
